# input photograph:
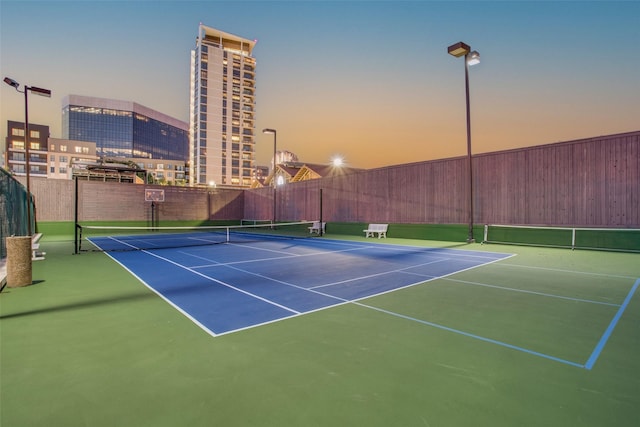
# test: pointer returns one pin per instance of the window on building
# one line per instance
(34, 145)
(34, 133)
(63, 148)
(78, 149)
(19, 145)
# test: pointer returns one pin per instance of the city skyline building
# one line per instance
(15, 156)
(124, 129)
(222, 109)
(57, 158)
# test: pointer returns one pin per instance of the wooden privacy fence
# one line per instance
(592, 182)
(112, 201)
(589, 183)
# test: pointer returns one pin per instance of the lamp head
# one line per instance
(459, 49)
(11, 82)
(474, 58)
(40, 91)
(267, 130)
(337, 161)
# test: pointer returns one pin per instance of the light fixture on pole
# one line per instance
(37, 91)
(470, 58)
(273, 179)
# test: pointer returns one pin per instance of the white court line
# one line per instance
(288, 256)
(399, 270)
(543, 294)
(560, 270)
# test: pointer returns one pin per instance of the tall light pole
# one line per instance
(470, 58)
(26, 90)
(275, 184)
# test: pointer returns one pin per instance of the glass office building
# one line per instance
(222, 109)
(124, 129)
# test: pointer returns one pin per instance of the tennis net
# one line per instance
(611, 239)
(131, 238)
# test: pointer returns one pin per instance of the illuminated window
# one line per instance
(34, 145)
(17, 132)
(34, 133)
(63, 148)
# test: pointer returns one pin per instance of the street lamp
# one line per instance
(37, 91)
(275, 184)
(470, 58)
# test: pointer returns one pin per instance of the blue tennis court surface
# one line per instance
(229, 287)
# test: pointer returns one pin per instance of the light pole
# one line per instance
(275, 184)
(26, 90)
(470, 58)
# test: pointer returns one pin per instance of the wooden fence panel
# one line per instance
(592, 182)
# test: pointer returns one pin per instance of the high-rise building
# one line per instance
(222, 145)
(124, 129)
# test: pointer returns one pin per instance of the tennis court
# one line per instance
(265, 278)
(226, 288)
(323, 331)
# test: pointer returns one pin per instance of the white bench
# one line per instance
(36, 255)
(372, 229)
(315, 228)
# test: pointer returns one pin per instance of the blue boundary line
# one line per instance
(605, 337)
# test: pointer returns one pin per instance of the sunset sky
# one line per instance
(370, 80)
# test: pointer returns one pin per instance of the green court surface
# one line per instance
(548, 337)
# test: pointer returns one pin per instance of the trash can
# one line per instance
(19, 261)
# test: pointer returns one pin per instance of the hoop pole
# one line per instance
(75, 238)
(321, 232)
